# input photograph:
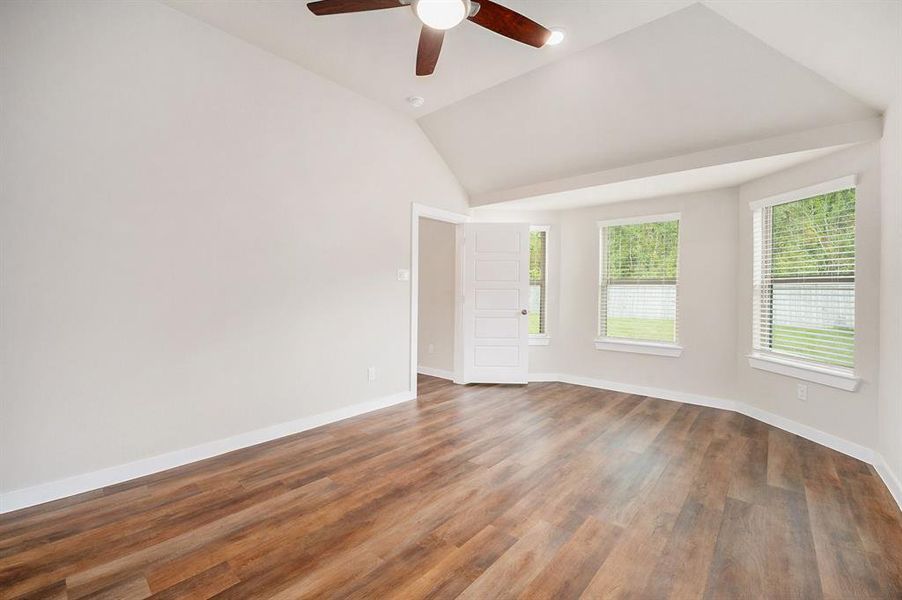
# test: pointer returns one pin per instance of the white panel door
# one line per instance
(495, 303)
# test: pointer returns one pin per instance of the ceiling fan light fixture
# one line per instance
(441, 14)
(556, 37)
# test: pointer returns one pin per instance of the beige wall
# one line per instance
(889, 409)
(198, 239)
(849, 415)
(715, 298)
(181, 251)
(436, 298)
(706, 292)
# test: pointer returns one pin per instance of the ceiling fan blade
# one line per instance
(428, 50)
(509, 23)
(337, 7)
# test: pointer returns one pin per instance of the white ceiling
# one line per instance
(856, 44)
(666, 184)
(686, 82)
(374, 52)
(634, 81)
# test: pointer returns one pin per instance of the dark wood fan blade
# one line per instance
(337, 7)
(510, 24)
(428, 50)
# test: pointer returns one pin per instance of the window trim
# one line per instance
(836, 377)
(542, 339)
(834, 185)
(791, 366)
(659, 218)
(672, 349)
(638, 346)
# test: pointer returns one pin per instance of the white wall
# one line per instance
(198, 239)
(889, 409)
(436, 298)
(848, 415)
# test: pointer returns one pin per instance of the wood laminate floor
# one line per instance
(544, 491)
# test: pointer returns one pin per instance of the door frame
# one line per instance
(421, 211)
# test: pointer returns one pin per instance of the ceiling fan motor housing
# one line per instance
(439, 16)
(443, 14)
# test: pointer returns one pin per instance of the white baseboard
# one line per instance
(837, 443)
(86, 482)
(54, 490)
(543, 377)
(641, 390)
(432, 372)
(810, 433)
(889, 478)
(815, 435)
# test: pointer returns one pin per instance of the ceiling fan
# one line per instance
(438, 16)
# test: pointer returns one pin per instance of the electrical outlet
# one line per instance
(802, 392)
(371, 374)
(430, 349)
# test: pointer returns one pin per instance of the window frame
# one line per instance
(670, 349)
(544, 338)
(836, 376)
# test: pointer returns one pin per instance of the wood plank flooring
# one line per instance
(543, 491)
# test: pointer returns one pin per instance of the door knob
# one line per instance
(524, 312)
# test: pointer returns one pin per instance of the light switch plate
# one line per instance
(403, 274)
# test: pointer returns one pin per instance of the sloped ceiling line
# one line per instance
(635, 82)
(687, 82)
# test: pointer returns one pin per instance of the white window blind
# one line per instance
(804, 276)
(538, 280)
(638, 278)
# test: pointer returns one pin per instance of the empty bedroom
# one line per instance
(451, 299)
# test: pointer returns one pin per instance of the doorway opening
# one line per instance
(434, 284)
(436, 315)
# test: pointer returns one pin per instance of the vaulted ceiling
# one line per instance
(634, 82)
(374, 52)
(688, 81)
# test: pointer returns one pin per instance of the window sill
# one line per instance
(539, 340)
(836, 378)
(656, 348)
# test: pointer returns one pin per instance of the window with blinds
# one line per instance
(639, 261)
(804, 276)
(538, 280)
